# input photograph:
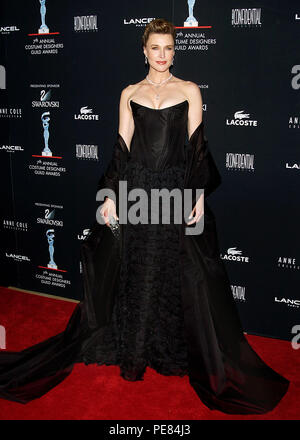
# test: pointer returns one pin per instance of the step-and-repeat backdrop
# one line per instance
(63, 65)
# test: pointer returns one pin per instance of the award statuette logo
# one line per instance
(43, 28)
(45, 121)
(50, 237)
(191, 20)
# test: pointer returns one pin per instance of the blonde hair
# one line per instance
(158, 26)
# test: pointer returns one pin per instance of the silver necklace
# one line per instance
(158, 84)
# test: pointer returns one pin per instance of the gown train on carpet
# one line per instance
(207, 340)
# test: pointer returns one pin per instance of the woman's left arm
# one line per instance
(195, 115)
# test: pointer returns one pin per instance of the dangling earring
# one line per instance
(172, 61)
(146, 60)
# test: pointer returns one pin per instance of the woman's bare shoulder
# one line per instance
(192, 89)
(130, 90)
(188, 88)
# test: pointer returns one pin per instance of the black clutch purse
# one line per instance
(115, 227)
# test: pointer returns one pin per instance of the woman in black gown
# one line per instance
(157, 296)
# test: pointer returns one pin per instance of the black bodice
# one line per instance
(159, 136)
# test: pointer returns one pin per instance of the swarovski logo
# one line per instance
(45, 100)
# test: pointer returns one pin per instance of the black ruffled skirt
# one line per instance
(147, 326)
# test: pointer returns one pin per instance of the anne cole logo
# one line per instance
(12, 112)
(85, 23)
(294, 122)
(86, 114)
(15, 225)
(246, 17)
(240, 161)
(240, 118)
(233, 254)
(287, 263)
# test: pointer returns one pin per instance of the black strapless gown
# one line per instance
(158, 297)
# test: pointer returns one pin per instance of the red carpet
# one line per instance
(93, 392)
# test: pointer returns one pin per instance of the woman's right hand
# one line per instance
(108, 210)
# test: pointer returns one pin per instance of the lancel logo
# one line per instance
(138, 21)
(288, 302)
(5, 30)
(293, 166)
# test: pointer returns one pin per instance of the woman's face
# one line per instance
(160, 51)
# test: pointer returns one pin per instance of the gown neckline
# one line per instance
(159, 109)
